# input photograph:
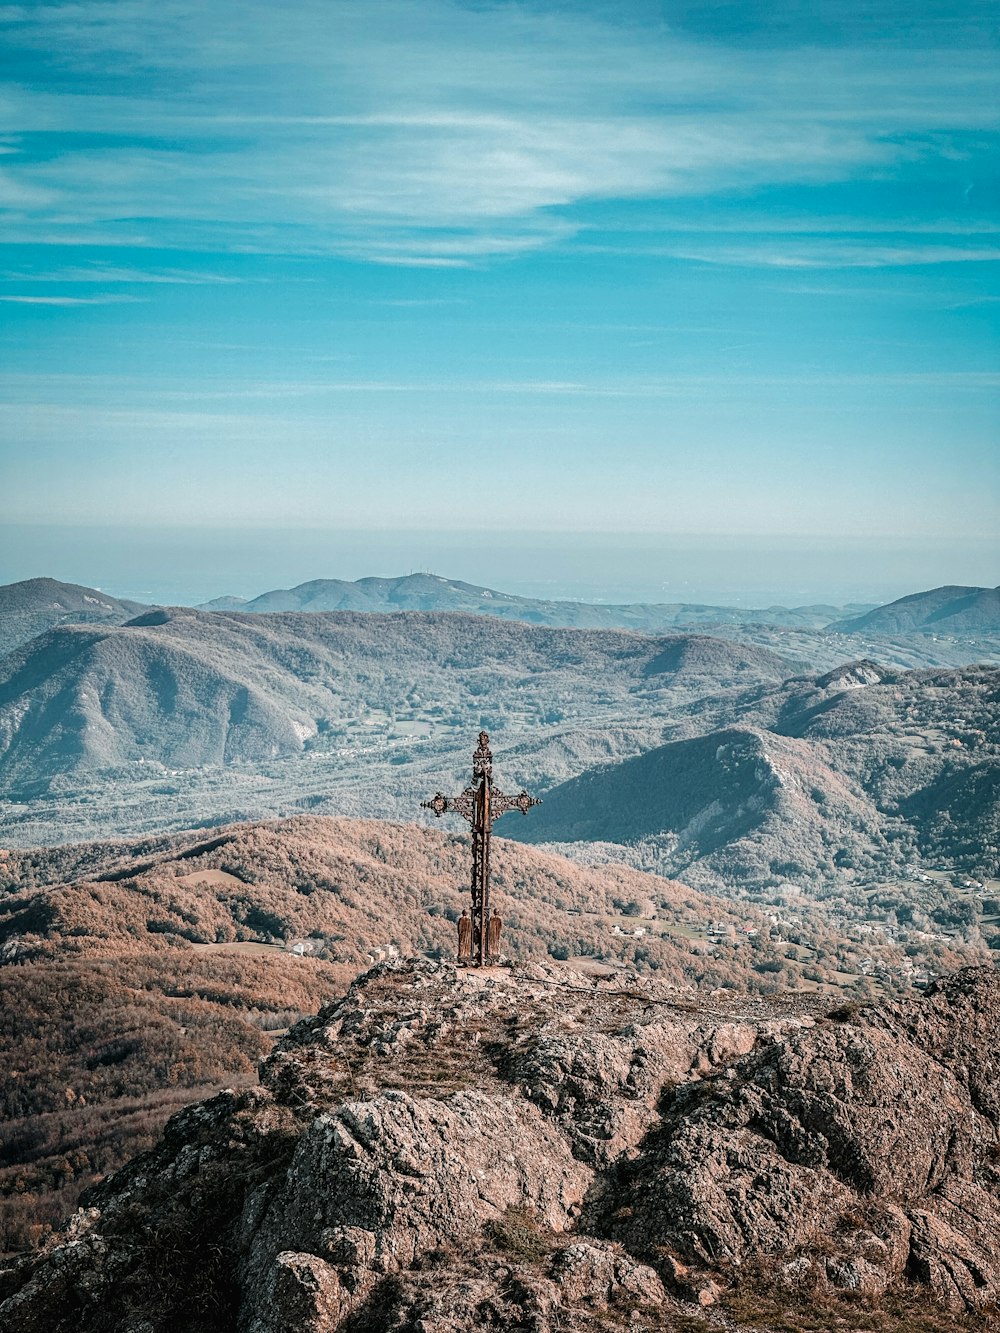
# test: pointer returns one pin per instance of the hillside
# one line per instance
(31, 607)
(187, 689)
(431, 592)
(947, 610)
(742, 807)
(924, 746)
(206, 718)
(860, 770)
(138, 976)
(350, 886)
(530, 1149)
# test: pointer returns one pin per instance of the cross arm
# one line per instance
(464, 805)
(500, 802)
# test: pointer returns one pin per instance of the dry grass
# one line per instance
(903, 1311)
(522, 1235)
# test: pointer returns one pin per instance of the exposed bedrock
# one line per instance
(445, 1150)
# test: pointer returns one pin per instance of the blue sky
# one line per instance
(671, 270)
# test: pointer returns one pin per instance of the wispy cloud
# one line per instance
(106, 299)
(437, 134)
(103, 274)
(818, 253)
(86, 395)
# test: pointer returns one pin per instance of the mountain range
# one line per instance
(34, 605)
(843, 774)
(853, 769)
(431, 592)
(733, 766)
(946, 610)
(181, 688)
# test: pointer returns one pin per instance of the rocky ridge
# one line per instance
(532, 1149)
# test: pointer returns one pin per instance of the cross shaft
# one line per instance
(480, 804)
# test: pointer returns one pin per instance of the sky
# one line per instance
(643, 289)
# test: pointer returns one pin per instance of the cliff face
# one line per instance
(442, 1151)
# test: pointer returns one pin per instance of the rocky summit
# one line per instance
(536, 1149)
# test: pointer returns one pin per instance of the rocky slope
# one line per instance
(136, 977)
(442, 1151)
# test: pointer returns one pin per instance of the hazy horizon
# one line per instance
(186, 566)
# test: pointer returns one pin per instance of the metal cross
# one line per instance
(480, 804)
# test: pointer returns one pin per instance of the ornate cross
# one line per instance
(480, 804)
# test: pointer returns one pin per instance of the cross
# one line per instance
(480, 804)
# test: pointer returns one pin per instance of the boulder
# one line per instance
(440, 1151)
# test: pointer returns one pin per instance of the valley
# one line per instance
(183, 717)
(754, 769)
(210, 824)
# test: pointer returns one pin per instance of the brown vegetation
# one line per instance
(165, 972)
(132, 991)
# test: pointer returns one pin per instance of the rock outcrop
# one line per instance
(441, 1151)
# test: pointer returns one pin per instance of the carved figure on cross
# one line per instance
(481, 803)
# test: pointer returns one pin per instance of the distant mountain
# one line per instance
(856, 770)
(947, 610)
(185, 689)
(431, 592)
(35, 605)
